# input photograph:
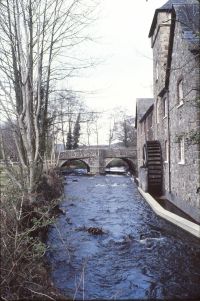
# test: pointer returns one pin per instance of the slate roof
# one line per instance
(168, 4)
(142, 106)
(187, 13)
(188, 16)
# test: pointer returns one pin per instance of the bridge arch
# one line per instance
(96, 159)
(74, 160)
(128, 161)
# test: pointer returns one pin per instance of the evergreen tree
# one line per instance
(76, 132)
(69, 143)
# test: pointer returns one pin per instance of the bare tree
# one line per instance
(70, 108)
(90, 118)
(122, 128)
(34, 35)
(125, 131)
(112, 126)
(9, 143)
(89, 125)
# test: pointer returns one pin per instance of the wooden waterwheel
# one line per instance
(152, 157)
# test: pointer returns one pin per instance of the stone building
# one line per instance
(168, 127)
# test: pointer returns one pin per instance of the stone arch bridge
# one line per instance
(97, 159)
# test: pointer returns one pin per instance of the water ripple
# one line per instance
(139, 256)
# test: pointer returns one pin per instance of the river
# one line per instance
(138, 256)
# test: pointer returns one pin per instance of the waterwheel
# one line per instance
(152, 157)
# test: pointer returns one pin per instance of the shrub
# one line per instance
(23, 273)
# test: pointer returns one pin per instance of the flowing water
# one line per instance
(139, 255)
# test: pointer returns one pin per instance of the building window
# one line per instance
(165, 106)
(166, 151)
(157, 111)
(180, 92)
(157, 74)
(181, 150)
(150, 121)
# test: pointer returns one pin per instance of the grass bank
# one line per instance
(24, 273)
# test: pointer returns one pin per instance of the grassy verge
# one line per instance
(23, 272)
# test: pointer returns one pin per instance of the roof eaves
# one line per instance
(142, 105)
(150, 109)
(153, 24)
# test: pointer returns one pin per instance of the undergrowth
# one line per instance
(23, 272)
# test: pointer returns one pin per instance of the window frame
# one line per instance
(181, 150)
(157, 111)
(165, 107)
(150, 121)
(180, 96)
(166, 151)
(156, 71)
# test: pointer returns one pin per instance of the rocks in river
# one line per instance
(68, 221)
(128, 238)
(91, 230)
(95, 231)
(57, 210)
(65, 180)
(74, 180)
(148, 242)
(150, 239)
(150, 234)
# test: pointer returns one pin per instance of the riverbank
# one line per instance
(177, 220)
(24, 272)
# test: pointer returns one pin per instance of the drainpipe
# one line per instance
(169, 141)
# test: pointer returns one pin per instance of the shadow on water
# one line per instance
(136, 256)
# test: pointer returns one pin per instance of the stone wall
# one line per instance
(181, 180)
(97, 159)
(183, 119)
(160, 45)
(140, 143)
(144, 129)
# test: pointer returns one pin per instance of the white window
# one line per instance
(157, 111)
(166, 151)
(180, 92)
(157, 73)
(165, 107)
(181, 146)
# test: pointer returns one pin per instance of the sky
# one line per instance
(122, 46)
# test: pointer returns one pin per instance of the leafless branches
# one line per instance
(34, 37)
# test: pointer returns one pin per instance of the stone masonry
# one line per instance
(97, 159)
(172, 120)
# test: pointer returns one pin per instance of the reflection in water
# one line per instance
(139, 256)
